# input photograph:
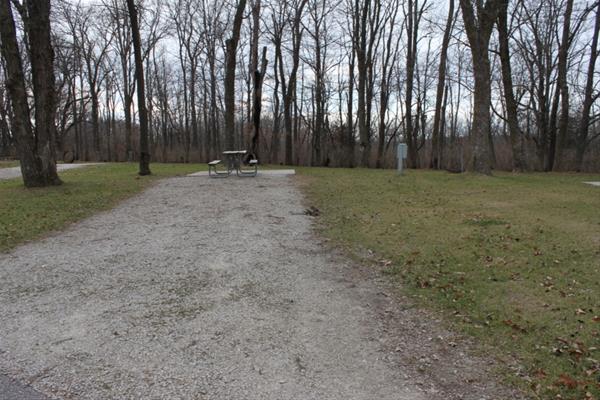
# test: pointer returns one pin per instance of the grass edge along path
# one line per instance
(511, 260)
(27, 214)
(8, 164)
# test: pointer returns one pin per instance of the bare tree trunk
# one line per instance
(35, 147)
(436, 140)
(259, 76)
(141, 95)
(389, 57)
(360, 47)
(411, 34)
(275, 142)
(230, 64)
(588, 100)
(563, 65)
(479, 30)
(350, 142)
(518, 158)
(289, 93)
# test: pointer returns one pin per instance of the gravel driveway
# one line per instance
(215, 289)
(15, 172)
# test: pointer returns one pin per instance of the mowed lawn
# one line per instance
(27, 214)
(8, 164)
(513, 260)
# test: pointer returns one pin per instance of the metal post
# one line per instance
(401, 156)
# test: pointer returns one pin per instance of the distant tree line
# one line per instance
(472, 85)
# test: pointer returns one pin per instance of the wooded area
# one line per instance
(469, 86)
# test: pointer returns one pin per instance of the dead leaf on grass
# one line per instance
(514, 325)
(566, 381)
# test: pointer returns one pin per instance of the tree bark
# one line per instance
(230, 64)
(436, 140)
(563, 122)
(479, 29)
(588, 100)
(289, 92)
(35, 146)
(259, 76)
(141, 95)
(518, 158)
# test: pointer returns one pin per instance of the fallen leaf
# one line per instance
(514, 325)
(567, 381)
(540, 373)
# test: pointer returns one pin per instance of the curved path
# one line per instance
(15, 172)
(215, 289)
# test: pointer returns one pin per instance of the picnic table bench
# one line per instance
(234, 162)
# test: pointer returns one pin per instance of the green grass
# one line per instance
(513, 260)
(26, 214)
(8, 164)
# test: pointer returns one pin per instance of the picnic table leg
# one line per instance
(252, 173)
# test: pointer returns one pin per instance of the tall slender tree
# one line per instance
(230, 64)
(436, 139)
(518, 161)
(141, 95)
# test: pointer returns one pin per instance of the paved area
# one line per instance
(593, 183)
(12, 173)
(217, 289)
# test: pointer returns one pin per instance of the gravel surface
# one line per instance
(15, 172)
(12, 390)
(217, 289)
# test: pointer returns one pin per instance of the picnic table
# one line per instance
(234, 162)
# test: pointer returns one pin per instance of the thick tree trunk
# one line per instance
(35, 147)
(480, 131)
(479, 30)
(141, 95)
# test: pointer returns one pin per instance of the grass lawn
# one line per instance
(513, 260)
(27, 214)
(9, 164)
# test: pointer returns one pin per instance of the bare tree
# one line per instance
(582, 139)
(230, 66)
(509, 97)
(558, 134)
(479, 23)
(141, 95)
(389, 56)
(259, 76)
(436, 134)
(35, 145)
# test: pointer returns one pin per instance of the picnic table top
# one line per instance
(234, 152)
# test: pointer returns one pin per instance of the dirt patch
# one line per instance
(217, 289)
